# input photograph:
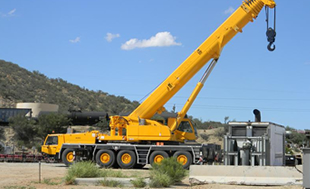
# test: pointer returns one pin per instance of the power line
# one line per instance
(276, 109)
(242, 99)
(228, 98)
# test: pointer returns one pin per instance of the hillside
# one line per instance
(20, 85)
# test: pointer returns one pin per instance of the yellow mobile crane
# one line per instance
(146, 140)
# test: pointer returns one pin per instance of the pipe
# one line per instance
(256, 112)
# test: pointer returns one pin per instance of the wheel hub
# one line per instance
(126, 158)
(105, 158)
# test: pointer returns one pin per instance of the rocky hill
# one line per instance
(20, 85)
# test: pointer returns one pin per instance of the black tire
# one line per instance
(158, 156)
(184, 157)
(67, 157)
(126, 159)
(105, 158)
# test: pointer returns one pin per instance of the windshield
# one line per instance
(185, 126)
(52, 140)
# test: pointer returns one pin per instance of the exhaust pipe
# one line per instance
(256, 112)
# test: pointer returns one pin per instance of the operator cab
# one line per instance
(50, 144)
(186, 130)
(185, 126)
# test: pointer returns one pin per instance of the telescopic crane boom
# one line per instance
(210, 49)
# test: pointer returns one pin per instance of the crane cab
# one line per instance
(185, 132)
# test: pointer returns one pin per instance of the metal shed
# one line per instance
(255, 144)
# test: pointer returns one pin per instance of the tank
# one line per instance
(36, 108)
(86, 118)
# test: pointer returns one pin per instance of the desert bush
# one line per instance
(168, 172)
(160, 180)
(84, 169)
(110, 183)
(50, 182)
(220, 132)
(70, 179)
(289, 150)
(204, 137)
(138, 182)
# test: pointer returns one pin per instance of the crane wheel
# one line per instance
(158, 156)
(105, 158)
(68, 157)
(184, 157)
(126, 159)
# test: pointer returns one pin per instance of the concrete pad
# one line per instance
(96, 181)
(245, 175)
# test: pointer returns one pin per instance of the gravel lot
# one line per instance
(26, 176)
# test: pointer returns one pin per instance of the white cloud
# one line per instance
(229, 10)
(76, 40)
(111, 36)
(12, 12)
(161, 39)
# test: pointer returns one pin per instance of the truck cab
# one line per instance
(52, 144)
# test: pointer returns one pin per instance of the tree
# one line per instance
(296, 138)
(53, 122)
(226, 119)
(103, 124)
(2, 133)
(25, 129)
(173, 109)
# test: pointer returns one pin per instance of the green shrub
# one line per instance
(289, 150)
(168, 172)
(204, 137)
(138, 182)
(84, 169)
(70, 179)
(111, 183)
(50, 181)
(220, 133)
(160, 180)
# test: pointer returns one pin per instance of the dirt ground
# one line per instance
(26, 176)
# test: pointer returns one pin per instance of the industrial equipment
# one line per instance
(306, 168)
(7, 113)
(255, 143)
(146, 140)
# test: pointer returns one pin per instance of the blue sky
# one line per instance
(126, 48)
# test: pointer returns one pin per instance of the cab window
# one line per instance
(52, 140)
(185, 127)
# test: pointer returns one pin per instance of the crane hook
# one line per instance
(271, 34)
(271, 48)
